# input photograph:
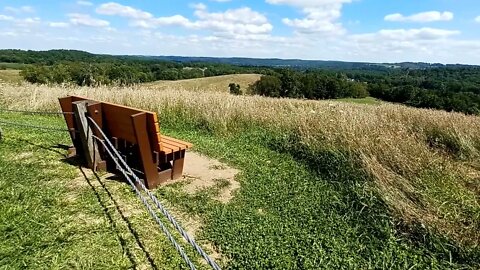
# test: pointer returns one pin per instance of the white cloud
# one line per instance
(321, 16)
(429, 16)
(232, 22)
(22, 9)
(84, 3)
(239, 32)
(21, 22)
(86, 20)
(58, 24)
(6, 18)
(413, 35)
(113, 8)
(221, 1)
(477, 19)
(422, 45)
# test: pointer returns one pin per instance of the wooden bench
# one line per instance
(136, 134)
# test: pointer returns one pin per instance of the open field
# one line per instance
(10, 76)
(16, 66)
(367, 100)
(323, 184)
(213, 84)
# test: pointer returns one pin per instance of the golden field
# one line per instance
(215, 84)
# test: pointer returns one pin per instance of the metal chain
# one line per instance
(36, 112)
(184, 234)
(147, 205)
(34, 127)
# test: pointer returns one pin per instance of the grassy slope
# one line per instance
(308, 203)
(52, 217)
(12, 65)
(292, 214)
(10, 76)
(216, 84)
(367, 100)
(286, 216)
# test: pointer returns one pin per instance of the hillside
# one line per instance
(52, 56)
(215, 84)
(10, 76)
(453, 88)
(323, 183)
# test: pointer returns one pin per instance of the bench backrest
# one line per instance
(117, 121)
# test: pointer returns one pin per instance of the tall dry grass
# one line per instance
(211, 84)
(424, 163)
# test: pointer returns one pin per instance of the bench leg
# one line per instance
(177, 170)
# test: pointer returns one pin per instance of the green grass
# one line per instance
(306, 211)
(12, 65)
(367, 100)
(54, 217)
(297, 208)
(10, 76)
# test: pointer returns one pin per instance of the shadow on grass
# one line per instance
(123, 242)
(76, 161)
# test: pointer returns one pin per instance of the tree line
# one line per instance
(124, 73)
(451, 88)
(313, 84)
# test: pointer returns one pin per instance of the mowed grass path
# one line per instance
(10, 76)
(55, 216)
(214, 84)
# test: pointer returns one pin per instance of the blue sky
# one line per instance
(446, 31)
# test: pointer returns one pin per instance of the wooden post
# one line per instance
(90, 149)
(94, 110)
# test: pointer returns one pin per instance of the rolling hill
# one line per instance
(215, 84)
(322, 184)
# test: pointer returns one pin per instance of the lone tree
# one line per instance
(235, 89)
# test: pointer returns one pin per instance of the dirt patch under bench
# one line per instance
(204, 172)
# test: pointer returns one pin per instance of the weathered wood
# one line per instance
(94, 110)
(150, 170)
(67, 107)
(177, 169)
(90, 150)
(136, 135)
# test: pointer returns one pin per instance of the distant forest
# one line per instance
(451, 87)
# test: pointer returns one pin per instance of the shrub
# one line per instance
(235, 89)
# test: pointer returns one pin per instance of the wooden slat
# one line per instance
(174, 147)
(168, 148)
(179, 145)
(187, 144)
